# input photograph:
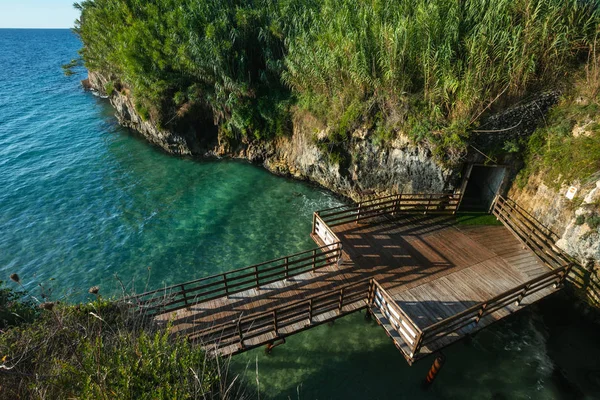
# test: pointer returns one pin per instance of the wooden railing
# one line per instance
(408, 331)
(182, 295)
(465, 321)
(439, 203)
(531, 232)
(324, 232)
(250, 331)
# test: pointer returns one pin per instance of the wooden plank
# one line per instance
(431, 268)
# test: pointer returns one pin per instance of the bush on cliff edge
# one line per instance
(100, 349)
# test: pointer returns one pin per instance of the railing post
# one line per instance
(184, 294)
(358, 213)
(341, 301)
(417, 346)
(427, 206)
(563, 276)
(522, 295)
(256, 276)
(310, 311)
(371, 293)
(239, 329)
(287, 268)
(314, 259)
(225, 283)
(480, 313)
(314, 222)
(457, 199)
(275, 321)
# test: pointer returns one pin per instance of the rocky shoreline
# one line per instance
(371, 166)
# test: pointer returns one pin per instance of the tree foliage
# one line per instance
(429, 67)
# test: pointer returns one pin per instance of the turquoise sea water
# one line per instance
(83, 200)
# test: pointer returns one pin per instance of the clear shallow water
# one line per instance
(81, 200)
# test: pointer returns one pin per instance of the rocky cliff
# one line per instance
(576, 222)
(371, 166)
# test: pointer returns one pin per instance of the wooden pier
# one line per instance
(427, 280)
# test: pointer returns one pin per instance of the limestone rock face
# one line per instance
(128, 116)
(395, 168)
(575, 221)
(567, 218)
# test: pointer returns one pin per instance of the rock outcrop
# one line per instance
(371, 166)
(576, 222)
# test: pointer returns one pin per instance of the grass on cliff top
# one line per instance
(100, 350)
(566, 149)
(560, 155)
(429, 68)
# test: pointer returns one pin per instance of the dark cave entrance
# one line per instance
(480, 187)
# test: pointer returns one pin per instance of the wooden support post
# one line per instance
(314, 222)
(310, 311)
(225, 283)
(437, 365)
(271, 345)
(314, 259)
(368, 315)
(358, 213)
(341, 302)
(275, 321)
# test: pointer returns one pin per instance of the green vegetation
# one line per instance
(475, 218)
(567, 148)
(99, 350)
(593, 221)
(427, 68)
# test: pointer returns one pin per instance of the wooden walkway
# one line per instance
(427, 280)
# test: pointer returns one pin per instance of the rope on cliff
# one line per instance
(496, 130)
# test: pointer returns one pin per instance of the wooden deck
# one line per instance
(427, 280)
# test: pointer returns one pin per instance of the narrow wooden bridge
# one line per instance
(426, 279)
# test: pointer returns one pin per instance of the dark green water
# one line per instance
(83, 200)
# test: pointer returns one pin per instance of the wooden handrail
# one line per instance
(513, 203)
(330, 305)
(185, 294)
(390, 300)
(409, 332)
(390, 205)
(277, 319)
(487, 307)
(328, 235)
(530, 231)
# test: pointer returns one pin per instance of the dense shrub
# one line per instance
(15, 307)
(103, 349)
(427, 67)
